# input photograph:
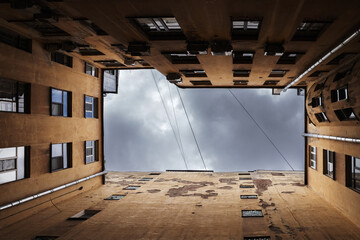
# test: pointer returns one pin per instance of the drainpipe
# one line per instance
(50, 191)
(343, 139)
(322, 59)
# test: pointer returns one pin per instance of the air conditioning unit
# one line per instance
(129, 62)
(274, 50)
(221, 48)
(197, 48)
(174, 78)
(138, 49)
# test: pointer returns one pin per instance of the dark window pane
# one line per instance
(56, 163)
(56, 109)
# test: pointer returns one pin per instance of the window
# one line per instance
(240, 82)
(91, 70)
(91, 107)
(160, 28)
(88, 51)
(339, 94)
(206, 82)
(241, 73)
(319, 86)
(277, 73)
(243, 57)
(321, 117)
(14, 164)
(193, 73)
(343, 74)
(353, 172)
(91, 151)
(340, 58)
(346, 114)
(92, 26)
(155, 173)
(248, 197)
(289, 58)
(245, 29)
(45, 28)
(309, 31)
(84, 214)
(110, 84)
(181, 58)
(329, 163)
(318, 73)
(316, 101)
(115, 197)
(46, 237)
(145, 179)
(61, 58)
(61, 156)
(13, 39)
(14, 96)
(313, 157)
(60, 103)
(251, 213)
(131, 187)
(271, 82)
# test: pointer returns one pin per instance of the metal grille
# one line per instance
(115, 197)
(246, 186)
(248, 196)
(252, 213)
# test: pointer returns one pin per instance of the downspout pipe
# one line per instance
(322, 59)
(343, 139)
(3, 207)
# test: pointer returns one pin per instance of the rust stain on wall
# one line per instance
(225, 187)
(262, 185)
(154, 190)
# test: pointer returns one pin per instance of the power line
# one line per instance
(176, 122)
(261, 129)
(202, 159)
(167, 114)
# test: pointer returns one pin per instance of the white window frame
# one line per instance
(313, 160)
(16, 173)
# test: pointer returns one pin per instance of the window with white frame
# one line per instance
(91, 70)
(353, 172)
(321, 117)
(339, 94)
(14, 96)
(14, 162)
(313, 157)
(61, 157)
(329, 163)
(91, 107)
(60, 103)
(91, 151)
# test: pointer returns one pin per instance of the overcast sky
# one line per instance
(139, 137)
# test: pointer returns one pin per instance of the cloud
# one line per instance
(138, 136)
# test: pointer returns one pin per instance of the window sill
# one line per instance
(91, 162)
(57, 170)
(355, 190)
(329, 176)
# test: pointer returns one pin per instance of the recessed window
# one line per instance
(91, 107)
(145, 179)
(318, 73)
(88, 51)
(61, 156)
(316, 101)
(196, 83)
(45, 28)
(243, 57)
(110, 63)
(241, 82)
(160, 28)
(258, 238)
(193, 73)
(321, 117)
(84, 215)
(329, 163)
(62, 59)
(246, 186)
(241, 73)
(339, 94)
(14, 96)
(340, 58)
(115, 197)
(245, 29)
(110, 81)
(346, 114)
(91, 70)
(248, 196)
(13, 39)
(313, 157)
(244, 173)
(131, 187)
(251, 213)
(309, 31)
(277, 73)
(271, 82)
(14, 164)
(342, 74)
(92, 26)
(289, 57)
(154, 173)
(245, 178)
(353, 172)
(91, 151)
(319, 86)
(46, 237)
(60, 103)
(181, 58)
